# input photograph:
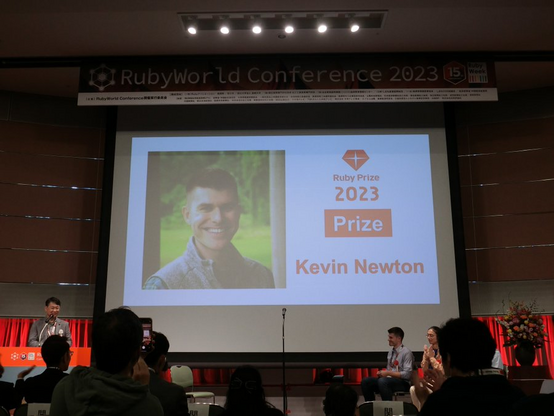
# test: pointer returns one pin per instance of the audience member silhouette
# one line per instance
(39, 389)
(473, 387)
(172, 397)
(537, 404)
(119, 383)
(246, 395)
(8, 396)
(340, 400)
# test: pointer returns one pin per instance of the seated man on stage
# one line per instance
(398, 373)
(51, 325)
(38, 389)
(211, 261)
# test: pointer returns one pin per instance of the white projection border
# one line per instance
(326, 303)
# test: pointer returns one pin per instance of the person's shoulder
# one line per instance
(256, 265)
(5, 385)
(258, 269)
(160, 382)
(406, 349)
(437, 403)
(539, 404)
(37, 322)
(173, 271)
(273, 411)
(150, 406)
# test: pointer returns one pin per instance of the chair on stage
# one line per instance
(4, 412)
(206, 409)
(182, 375)
(33, 409)
(385, 408)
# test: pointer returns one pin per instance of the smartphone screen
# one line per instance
(146, 334)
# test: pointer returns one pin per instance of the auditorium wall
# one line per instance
(506, 159)
(51, 162)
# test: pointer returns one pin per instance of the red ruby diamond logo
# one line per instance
(355, 158)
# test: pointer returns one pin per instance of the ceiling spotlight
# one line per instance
(192, 30)
(322, 28)
(224, 30)
(289, 29)
(354, 28)
(257, 29)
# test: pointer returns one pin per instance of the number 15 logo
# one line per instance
(454, 72)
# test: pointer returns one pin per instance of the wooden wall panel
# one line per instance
(510, 136)
(50, 202)
(47, 267)
(469, 233)
(464, 165)
(512, 167)
(51, 140)
(56, 171)
(495, 265)
(462, 137)
(512, 230)
(467, 195)
(506, 166)
(513, 198)
(48, 234)
(50, 226)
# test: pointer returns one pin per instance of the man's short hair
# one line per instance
(467, 343)
(161, 347)
(53, 300)
(397, 332)
(53, 350)
(340, 400)
(212, 178)
(116, 339)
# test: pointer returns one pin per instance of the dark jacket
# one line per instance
(172, 397)
(490, 395)
(39, 389)
(91, 392)
(8, 395)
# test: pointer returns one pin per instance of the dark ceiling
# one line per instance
(521, 33)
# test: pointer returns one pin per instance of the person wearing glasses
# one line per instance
(432, 360)
(49, 325)
(57, 356)
(246, 395)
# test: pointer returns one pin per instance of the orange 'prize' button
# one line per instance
(358, 223)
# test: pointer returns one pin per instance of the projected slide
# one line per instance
(281, 220)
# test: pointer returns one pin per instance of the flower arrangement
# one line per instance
(521, 323)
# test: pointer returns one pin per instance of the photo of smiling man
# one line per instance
(211, 261)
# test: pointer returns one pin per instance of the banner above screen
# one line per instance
(294, 79)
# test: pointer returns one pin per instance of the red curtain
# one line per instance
(15, 331)
(544, 355)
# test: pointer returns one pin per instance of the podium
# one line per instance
(28, 356)
(528, 378)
